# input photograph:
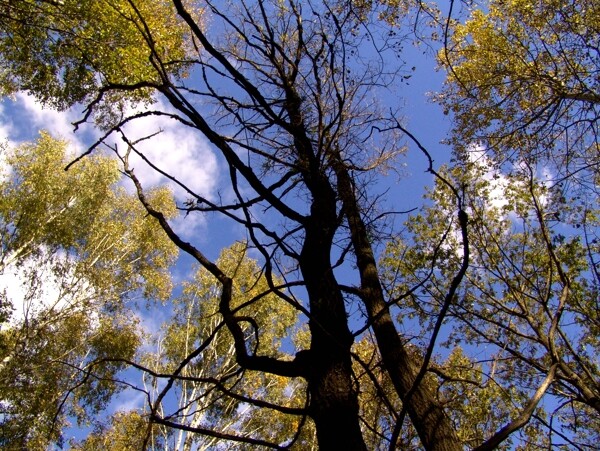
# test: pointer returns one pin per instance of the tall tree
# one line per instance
(77, 247)
(523, 90)
(529, 301)
(286, 91)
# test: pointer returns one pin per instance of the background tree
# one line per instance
(76, 247)
(521, 82)
(214, 393)
(192, 380)
(125, 432)
(525, 301)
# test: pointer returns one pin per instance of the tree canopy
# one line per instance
(78, 248)
(336, 322)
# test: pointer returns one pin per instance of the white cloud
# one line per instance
(187, 226)
(33, 286)
(498, 182)
(499, 185)
(4, 124)
(22, 118)
(151, 321)
(177, 150)
(127, 401)
(56, 122)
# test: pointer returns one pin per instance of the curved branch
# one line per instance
(252, 362)
(211, 433)
(523, 418)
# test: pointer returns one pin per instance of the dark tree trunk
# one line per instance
(333, 397)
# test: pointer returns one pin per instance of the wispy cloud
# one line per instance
(177, 150)
(22, 118)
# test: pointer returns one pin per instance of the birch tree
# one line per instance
(76, 249)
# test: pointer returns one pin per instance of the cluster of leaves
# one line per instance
(524, 82)
(208, 390)
(67, 52)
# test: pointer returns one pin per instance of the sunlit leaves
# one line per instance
(524, 80)
(79, 248)
(124, 432)
(203, 397)
(65, 52)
